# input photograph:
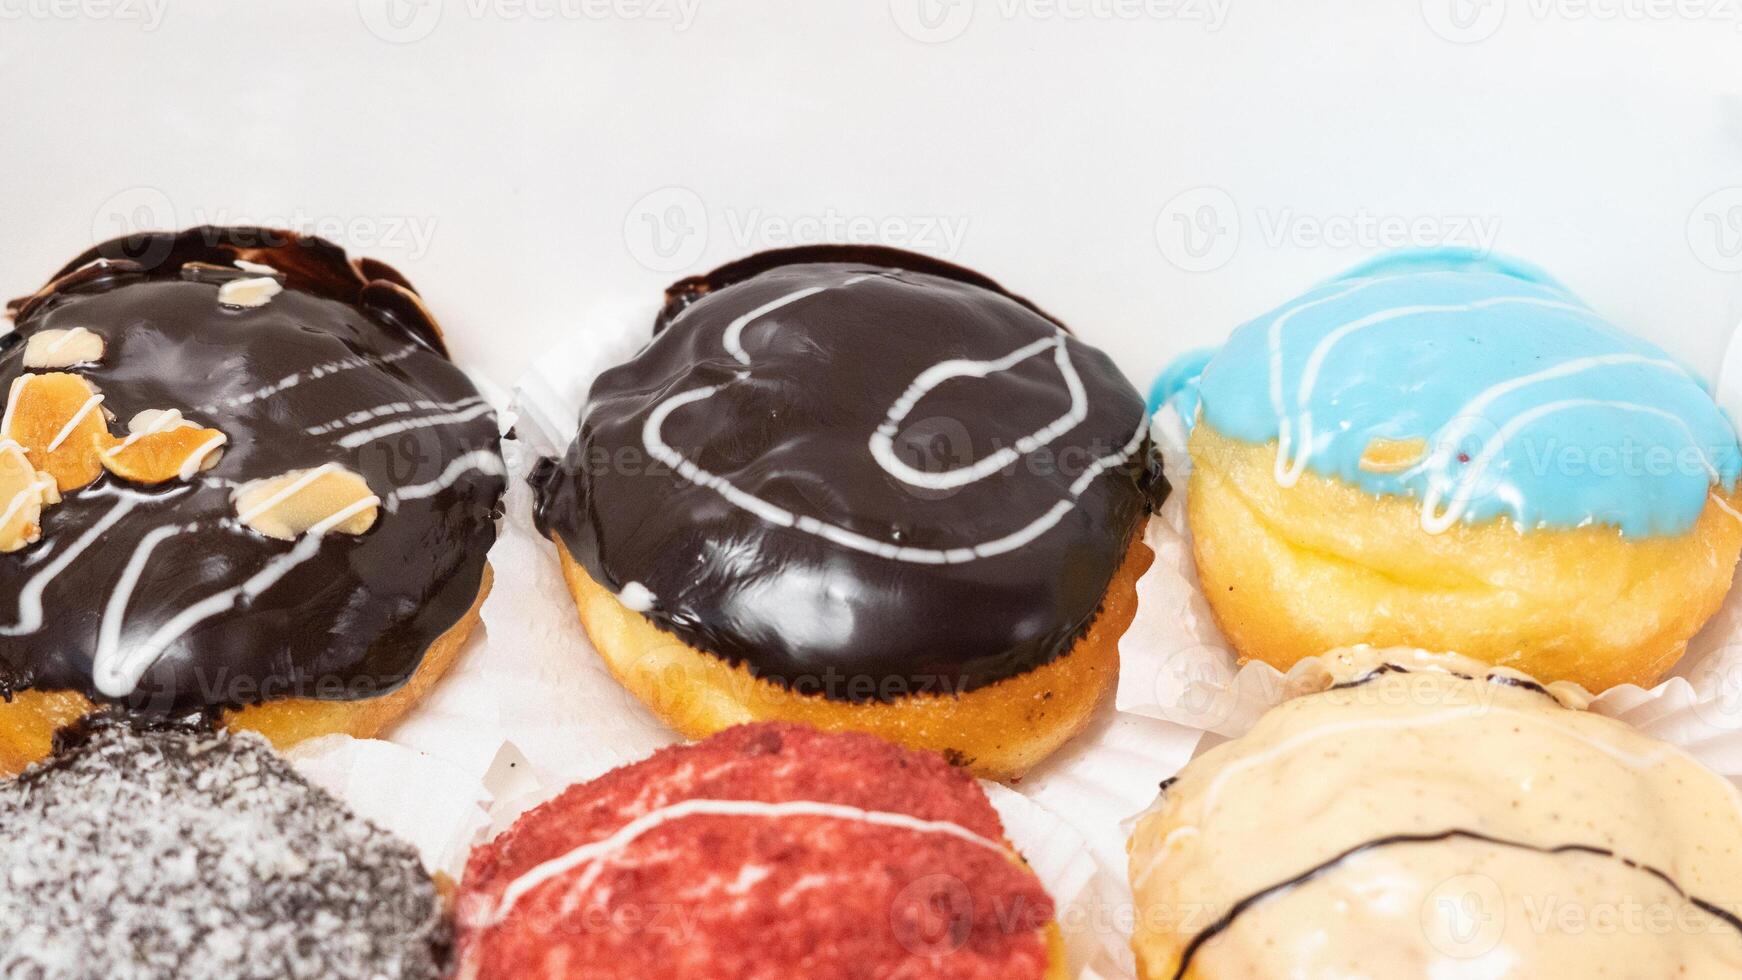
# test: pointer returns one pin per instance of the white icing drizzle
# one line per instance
(1724, 506)
(480, 460)
(286, 492)
(72, 423)
(1284, 436)
(342, 515)
(166, 420)
(10, 445)
(197, 458)
(116, 672)
(33, 489)
(1446, 716)
(65, 337)
(733, 339)
(42, 347)
(1463, 488)
(1165, 851)
(18, 384)
(1290, 464)
(17, 503)
(30, 597)
(634, 596)
(117, 669)
(318, 371)
(883, 440)
(394, 408)
(109, 667)
(653, 439)
(597, 852)
(366, 436)
(258, 268)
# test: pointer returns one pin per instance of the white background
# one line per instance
(1153, 171)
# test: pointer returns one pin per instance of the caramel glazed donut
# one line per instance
(242, 479)
(1428, 815)
(861, 489)
(1448, 450)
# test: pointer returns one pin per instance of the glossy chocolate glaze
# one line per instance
(789, 566)
(353, 619)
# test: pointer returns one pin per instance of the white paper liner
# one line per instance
(433, 804)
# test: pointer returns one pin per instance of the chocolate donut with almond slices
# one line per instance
(241, 478)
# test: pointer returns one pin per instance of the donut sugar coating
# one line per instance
(1426, 815)
(239, 476)
(158, 850)
(860, 489)
(768, 850)
(1449, 451)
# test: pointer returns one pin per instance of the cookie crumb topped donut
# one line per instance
(769, 850)
(140, 852)
(860, 489)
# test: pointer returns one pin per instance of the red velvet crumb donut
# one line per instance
(766, 851)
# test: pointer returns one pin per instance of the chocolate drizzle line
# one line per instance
(1239, 908)
(1505, 680)
(344, 340)
(828, 518)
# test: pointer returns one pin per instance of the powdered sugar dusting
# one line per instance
(181, 853)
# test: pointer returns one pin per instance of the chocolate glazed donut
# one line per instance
(187, 596)
(860, 475)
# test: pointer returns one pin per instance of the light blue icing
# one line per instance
(1532, 406)
(1178, 383)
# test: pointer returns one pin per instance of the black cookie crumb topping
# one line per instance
(171, 851)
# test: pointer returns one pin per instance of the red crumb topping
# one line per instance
(734, 897)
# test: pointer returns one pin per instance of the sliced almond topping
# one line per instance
(1392, 455)
(161, 445)
(326, 498)
(248, 293)
(58, 420)
(258, 268)
(23, 494)
(62, 348)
